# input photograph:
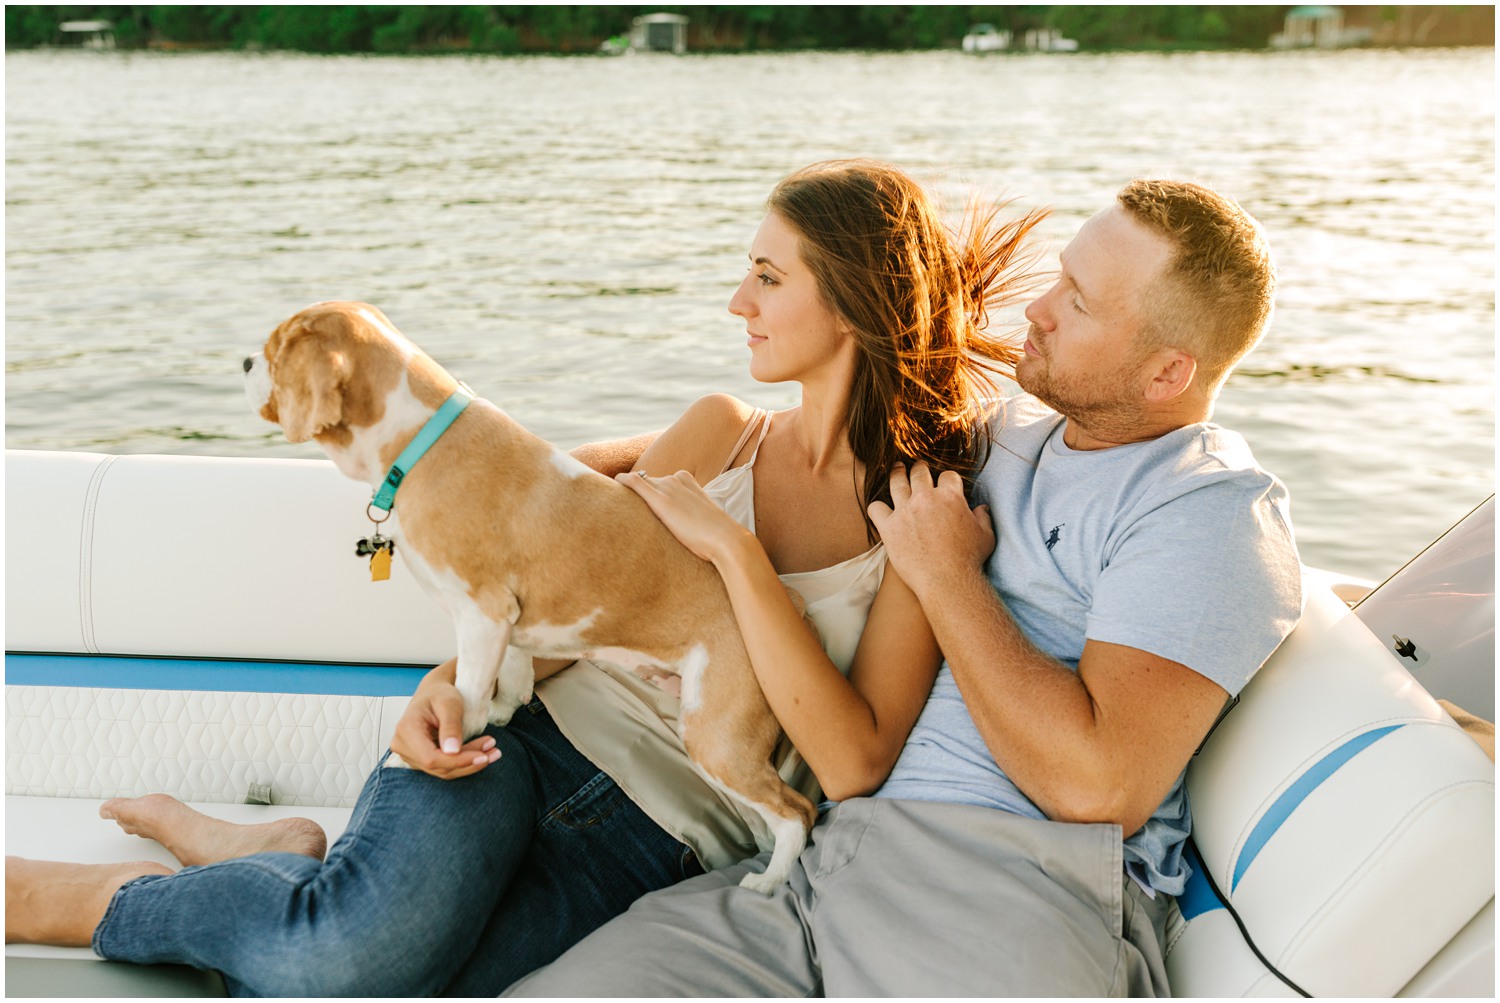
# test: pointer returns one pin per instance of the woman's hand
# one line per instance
(429, 735)
(691, 515)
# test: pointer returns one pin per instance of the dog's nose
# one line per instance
(249, 363)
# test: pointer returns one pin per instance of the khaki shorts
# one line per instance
(892, 898)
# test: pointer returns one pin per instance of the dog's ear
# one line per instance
(309, 383)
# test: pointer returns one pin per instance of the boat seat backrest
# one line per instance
(202, 557)
(1343, 816)
(203, 562)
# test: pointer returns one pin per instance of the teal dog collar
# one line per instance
(454, 406)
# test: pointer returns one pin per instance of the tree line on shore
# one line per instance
(564, 29)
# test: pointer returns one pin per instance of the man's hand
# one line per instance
(931, 535)
(429, 735)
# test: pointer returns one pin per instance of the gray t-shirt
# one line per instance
(1180, 546)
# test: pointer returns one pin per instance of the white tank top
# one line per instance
(626, 725)
(838, 597)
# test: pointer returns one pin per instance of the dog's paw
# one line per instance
(513, 685)
(502, 709)
(764, 883)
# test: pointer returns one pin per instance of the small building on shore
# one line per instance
(659, 33)
(87, 34)
(1317, 27)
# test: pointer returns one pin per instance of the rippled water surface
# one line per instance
(564, 234)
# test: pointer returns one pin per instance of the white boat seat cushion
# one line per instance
(1345, 817)
(53, 828)
(198, 558)
(203, 557)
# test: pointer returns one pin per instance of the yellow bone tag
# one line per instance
(380, 565)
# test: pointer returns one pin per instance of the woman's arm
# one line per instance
(849, 731)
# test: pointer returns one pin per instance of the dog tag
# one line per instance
(370, 544)
(380, 564)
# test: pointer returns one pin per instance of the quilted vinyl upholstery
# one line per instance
(313, 750)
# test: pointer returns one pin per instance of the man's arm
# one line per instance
(618, 456)
(1104, 744)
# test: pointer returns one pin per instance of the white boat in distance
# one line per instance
(986, 38)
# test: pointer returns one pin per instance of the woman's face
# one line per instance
(793, 333)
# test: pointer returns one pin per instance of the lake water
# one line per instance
(564, 234)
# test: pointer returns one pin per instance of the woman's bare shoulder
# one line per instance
(721, 410)
(700, 440)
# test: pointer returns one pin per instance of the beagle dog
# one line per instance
(530, 551)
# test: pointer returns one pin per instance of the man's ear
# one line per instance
(1169, 375)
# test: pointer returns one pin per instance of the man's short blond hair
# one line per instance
(1214, 299)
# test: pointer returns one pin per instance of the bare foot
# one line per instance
(195, 838)
(60, 904)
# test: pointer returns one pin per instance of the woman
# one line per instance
(535, 834)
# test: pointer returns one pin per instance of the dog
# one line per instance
(530, 551)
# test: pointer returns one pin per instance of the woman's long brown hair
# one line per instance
(919, 298)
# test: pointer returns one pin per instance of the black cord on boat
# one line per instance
(1224, 901)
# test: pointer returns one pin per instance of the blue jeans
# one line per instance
(455, 887)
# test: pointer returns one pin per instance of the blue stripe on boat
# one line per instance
(128, 673)
(1297, 793)
(1198, 896)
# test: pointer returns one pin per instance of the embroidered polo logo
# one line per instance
(1056, 532)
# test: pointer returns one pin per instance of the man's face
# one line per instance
(1083, 356)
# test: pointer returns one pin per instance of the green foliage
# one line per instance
(28, 26)
(1154, 27)
(512, 29)
(193, 25)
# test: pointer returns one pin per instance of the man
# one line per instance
(1130, 568)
